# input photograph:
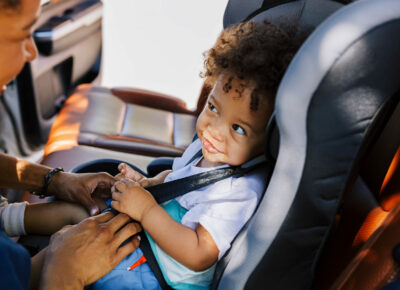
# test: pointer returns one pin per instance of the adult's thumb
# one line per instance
(91, 206)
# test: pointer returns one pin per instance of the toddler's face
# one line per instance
(229, 132)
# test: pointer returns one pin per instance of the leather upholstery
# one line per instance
(359, 223)
(94, 116)
(151, 99)
(82, 154)
(374, 266)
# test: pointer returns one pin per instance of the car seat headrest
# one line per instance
(332, 100)
(305, 14)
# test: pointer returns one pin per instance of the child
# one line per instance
(189, 234)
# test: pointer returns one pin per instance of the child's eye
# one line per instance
(212, 107)
(238, 129)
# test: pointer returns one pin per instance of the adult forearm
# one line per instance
(20, 174)
(47, 218)
(180, 242)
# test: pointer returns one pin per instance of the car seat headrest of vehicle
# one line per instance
(328, 105)
(305, 14)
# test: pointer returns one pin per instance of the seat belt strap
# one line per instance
(152, 261)
(175, 188)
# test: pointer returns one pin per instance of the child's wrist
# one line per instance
(151, 181)
(150, 210)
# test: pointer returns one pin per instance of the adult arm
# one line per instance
(24, 175)
(81, 254)
(46, 218)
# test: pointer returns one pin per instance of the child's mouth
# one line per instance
(209, 146)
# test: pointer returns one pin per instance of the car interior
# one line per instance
(329, 218)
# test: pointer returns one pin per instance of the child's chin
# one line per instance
(212, 158)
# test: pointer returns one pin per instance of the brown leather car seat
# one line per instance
(129, 120)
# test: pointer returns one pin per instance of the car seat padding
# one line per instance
(324, 110)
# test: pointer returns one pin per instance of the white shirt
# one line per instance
(221, 208)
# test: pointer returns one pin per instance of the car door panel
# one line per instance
(68, 37)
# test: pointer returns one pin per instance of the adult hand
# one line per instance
(81, 254)
(79, 187)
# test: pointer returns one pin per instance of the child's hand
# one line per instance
(129, 172)
(130, 198)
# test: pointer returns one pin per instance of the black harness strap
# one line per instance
(152, 262)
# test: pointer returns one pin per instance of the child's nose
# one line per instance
(216, 130)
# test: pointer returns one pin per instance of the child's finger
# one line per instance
(119, 176)
(116, 196)
(113, 188)
(120, 186)
(131, 173)
(115, 205)
(121, 166)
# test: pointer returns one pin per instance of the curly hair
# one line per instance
(257, 52)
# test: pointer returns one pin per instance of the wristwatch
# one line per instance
(47, 180)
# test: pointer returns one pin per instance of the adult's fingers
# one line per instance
(118, 222)
(89, 204)
(126, 232)
(104, 178)
(128, 248)
(103, 217)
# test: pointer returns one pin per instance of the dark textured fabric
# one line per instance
(15, 264)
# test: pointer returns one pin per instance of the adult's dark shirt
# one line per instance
(15, 264)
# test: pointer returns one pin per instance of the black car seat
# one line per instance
(334, 101)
